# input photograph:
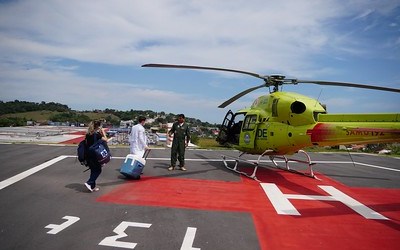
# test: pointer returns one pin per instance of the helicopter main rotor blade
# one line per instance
(157, 65)
(269, 80)
(226, 103)
(353, 85)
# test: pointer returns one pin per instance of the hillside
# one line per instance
(18, 113)
(44, 116)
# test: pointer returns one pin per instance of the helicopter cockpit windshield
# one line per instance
(230, 129)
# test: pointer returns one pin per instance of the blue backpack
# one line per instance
(82, 153)
(100, 151)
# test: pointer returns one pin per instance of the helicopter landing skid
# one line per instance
(310, 172)
(235, 169)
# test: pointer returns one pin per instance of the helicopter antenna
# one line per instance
(320, 92)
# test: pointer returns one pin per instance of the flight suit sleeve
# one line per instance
(187, 132)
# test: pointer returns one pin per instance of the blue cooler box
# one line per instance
(133, 166)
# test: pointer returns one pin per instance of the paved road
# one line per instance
(44, 205)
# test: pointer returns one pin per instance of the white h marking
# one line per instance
(282, 205)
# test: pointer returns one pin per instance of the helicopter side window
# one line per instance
(250, 122)
(275, 107)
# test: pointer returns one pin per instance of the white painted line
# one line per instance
(374, 166)
(187, 243)
(29, 172)
(268, 161)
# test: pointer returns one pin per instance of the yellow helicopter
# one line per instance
(283, 123)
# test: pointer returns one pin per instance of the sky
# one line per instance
(88, 54)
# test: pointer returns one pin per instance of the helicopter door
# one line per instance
(230, 129)
(249, 129)
(224, 135)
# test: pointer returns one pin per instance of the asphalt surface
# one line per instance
(44, 204)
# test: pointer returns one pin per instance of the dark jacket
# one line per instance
(90, 138)
(180, 132)
(91, 159)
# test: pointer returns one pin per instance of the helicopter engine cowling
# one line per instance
(298, 107)
(294, 109)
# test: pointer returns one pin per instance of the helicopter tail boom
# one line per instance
(339, 129)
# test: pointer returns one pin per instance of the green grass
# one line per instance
(33, 115)
(209, 143)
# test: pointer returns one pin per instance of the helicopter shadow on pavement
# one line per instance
(218, 165)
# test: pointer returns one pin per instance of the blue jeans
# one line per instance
(95, 171)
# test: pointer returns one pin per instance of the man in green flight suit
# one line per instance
(180, 130)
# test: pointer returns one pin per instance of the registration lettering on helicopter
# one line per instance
(365, 133)
(262, 133)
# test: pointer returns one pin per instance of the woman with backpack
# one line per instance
(95, 132)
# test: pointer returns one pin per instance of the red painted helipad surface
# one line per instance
(321, 224)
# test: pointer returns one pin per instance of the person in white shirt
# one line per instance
(138, 138)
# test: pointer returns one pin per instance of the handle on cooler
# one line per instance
(146, 153)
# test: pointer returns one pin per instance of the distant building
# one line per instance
(161, 139)
(126, 124)
(154, 129)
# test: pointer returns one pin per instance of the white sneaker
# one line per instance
(88, 187)
(96, 189)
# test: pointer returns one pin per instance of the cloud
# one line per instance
(133, 32)
(289, 37)
(129, 32)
